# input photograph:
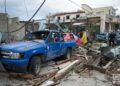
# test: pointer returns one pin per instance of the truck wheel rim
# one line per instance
(37, 68)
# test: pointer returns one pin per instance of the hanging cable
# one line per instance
(6, 21)
(26, 9)
(29, 19)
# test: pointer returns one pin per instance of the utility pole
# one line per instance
(8, 39)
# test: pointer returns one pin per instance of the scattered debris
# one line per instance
(84, 62)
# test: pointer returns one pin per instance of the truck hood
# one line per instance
(23, 45)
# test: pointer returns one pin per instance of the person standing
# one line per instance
(29, 34)
(88, 35)
(112, 38)
(84, 37)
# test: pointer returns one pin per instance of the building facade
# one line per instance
(101, 19)
(107, 17)
(31, 26)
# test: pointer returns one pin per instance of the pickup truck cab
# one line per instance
(27, 56)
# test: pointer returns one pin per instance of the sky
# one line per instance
(17, 8)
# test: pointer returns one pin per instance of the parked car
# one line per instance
(27, 56)
(102, 37)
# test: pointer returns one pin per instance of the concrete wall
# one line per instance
(106, 14)
(13, 24)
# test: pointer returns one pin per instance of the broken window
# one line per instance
(54, 37)
(77, 16)
(67, 17)
(58, 18)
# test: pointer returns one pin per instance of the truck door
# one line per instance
(53, 46)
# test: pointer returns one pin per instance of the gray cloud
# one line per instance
(17, 7)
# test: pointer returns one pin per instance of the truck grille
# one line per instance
(4, 54)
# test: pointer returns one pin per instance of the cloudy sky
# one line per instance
(16, 8)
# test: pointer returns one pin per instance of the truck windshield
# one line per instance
(39, 35)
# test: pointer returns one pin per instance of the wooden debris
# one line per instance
(97, 61)
(93, 50)
(26, 76)
(66, 60)
(91, 67)
(41, 80)
(48, 83)
(108, 64)
(60, 74)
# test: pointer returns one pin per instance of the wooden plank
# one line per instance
(60, 74)
(108, 64)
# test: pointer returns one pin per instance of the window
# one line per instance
(77, 16)
(67, 17)
(54, 37)
(39, 35)
(58, 18)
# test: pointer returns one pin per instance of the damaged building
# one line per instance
(11, 25)
(100, 20)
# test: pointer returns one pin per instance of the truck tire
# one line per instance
(35, 65)
(68, 54)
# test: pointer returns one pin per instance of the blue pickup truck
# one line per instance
(27, 56)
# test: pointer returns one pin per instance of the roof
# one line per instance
(64, 13)
(104, 7)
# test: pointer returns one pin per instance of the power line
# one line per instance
(26, 8)
(29, 19)
(5, 5)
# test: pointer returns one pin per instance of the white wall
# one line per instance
(72, 17)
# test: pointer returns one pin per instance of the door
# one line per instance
(53, 46)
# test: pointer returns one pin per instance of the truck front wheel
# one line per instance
(35, 65)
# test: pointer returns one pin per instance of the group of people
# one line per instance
(86, 36)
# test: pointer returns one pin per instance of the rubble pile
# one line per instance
(115, 67)
(84, 63)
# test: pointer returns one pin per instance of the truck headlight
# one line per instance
(15, 55)
(12, 55)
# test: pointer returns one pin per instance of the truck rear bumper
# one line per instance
(15, 65)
